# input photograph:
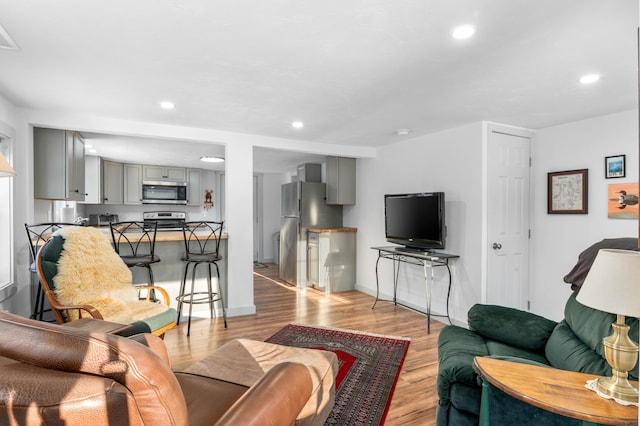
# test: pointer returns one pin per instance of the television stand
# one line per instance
(406, 249)
(428, 261)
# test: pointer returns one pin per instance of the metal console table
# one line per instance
(428, 260)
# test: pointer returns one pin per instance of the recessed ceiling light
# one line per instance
(463, 32)
(402, 132)
(167, 105)
(589, 78)
(297, 124)
(210, 159)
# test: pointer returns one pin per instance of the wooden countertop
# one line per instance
(323, 230)
(164, 236)
(161, 236)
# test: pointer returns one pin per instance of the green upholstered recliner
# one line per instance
(575, 344)
(144, 316)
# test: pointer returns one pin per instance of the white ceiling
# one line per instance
(353, 71)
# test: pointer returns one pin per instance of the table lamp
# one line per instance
(5, 168)
(613, 285)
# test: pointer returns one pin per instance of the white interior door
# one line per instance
(508, 167)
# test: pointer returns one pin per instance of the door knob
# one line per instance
(496, 246)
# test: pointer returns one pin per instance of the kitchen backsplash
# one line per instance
(50, 211)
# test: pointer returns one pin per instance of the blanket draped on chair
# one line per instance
(90, 272)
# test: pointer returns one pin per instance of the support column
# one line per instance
(239, 223)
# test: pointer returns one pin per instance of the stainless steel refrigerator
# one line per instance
(303, 206)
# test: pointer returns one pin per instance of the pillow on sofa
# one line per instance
(591, 325)
(566, 351)
(579, 272)
(513, 326)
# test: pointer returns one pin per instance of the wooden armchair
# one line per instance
(81, 274)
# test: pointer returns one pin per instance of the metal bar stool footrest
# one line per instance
(206, 298)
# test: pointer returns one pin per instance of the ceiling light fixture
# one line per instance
(463, 32)
(402, 132)
(167, 105)
(589, 78)
(211, 159)
(297, 124)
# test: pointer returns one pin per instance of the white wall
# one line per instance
(7, 112)
(449, 161)
(558, 239)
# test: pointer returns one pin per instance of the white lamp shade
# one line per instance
(613, 283)
(5, 168)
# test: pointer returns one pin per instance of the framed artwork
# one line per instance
(614, 166)
(567, 192)
(622, 201)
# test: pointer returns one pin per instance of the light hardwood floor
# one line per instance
(415, 398)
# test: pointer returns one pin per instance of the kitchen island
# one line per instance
(169, 271)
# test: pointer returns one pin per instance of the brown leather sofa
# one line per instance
(54, 374)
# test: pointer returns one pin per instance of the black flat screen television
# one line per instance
(416, 221)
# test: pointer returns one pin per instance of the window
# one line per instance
(6, 220)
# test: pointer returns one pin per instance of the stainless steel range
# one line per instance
(167, 220)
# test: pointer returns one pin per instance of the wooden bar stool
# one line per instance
(202, 246)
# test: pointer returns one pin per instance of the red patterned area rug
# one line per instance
(369, 368)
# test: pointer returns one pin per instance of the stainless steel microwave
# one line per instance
(159, 192)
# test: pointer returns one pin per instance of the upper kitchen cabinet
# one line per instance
(92, 179)
(133, 184)
(103, 181)
(341, 180)
(194, 187)
(161, 173)
(112, 187)
(58, 163)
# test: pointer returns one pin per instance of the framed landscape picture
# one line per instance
(567, 192)
(615, 166)
(622, 201)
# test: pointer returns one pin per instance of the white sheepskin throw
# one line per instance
(90, 272)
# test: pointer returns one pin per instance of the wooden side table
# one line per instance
(98, 326)
(558, 391)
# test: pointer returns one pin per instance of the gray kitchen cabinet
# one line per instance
(112, 187)
(58, 163)
(194, 187)
(163, 173)
(331, 259)
(341, 180)
(92, 180)
(133, 184)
